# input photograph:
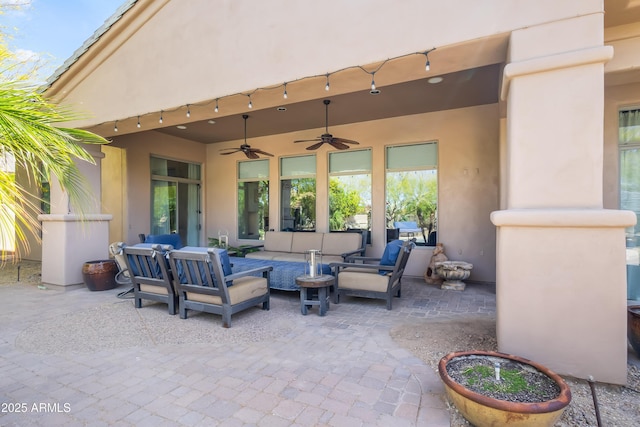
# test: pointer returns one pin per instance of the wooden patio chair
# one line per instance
(370, 277)
(204, 282)
(150, 276)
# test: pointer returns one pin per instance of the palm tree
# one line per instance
(29, 134)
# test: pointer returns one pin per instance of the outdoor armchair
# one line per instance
(204, 282)
(149, 272)
(370, 277)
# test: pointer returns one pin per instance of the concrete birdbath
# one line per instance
(453, 273)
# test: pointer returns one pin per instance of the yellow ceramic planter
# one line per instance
(481, 410)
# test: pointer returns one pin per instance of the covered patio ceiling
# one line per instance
(466, 88)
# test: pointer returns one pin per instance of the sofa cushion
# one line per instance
(268, 255)
(278, 241)
(303, 242)
(339, 243)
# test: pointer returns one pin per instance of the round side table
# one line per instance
(322, 284)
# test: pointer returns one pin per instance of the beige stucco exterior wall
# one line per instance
(467, 175)
(213, 48)
(137, 195)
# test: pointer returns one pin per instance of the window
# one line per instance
(253, 199)
(298, 193)
(629, 143)
(412, 192)
(350, 190)
(175, 199)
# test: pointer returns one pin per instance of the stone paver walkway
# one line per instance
(89, 358)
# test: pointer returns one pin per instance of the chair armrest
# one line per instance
(346, 255)
(338, 265)
(363, 259)
(248, 273)
(242, 250)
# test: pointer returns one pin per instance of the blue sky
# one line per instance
(53, 29)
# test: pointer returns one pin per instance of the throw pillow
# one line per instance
(390, 254)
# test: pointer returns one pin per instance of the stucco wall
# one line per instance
(467, 175)
(215, 48)
(137, 194)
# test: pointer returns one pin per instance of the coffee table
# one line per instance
(322, 284)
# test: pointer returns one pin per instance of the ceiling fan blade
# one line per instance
(339, 145)
(346, 141)
(250, 154)
(315, 146)
(229, 152)
(262, 152)
(308, 140)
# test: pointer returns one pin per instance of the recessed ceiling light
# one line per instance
(375, 92)
(435, 80)
(211, 122)
(181, 127)
(282, 108)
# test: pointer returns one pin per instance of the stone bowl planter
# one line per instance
(633, 327)
(453, 273)
(482, 409)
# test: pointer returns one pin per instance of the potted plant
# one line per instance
(496, 389)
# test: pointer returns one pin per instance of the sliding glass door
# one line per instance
(175, 199)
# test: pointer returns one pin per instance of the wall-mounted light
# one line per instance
(284, 95)
(115, 126)
(326, 87)
(160, 121)
(138, 125)
(188, 111)
(216, 109)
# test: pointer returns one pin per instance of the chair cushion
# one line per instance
(165, 239)
(362, 280)
(244, 289)
(390, 254)
(160, 290)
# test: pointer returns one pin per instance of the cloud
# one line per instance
(25, 55)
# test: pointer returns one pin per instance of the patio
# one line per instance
(95, 359)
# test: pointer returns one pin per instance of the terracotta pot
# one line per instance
(482, 410)
(100, 275)
(633, 327)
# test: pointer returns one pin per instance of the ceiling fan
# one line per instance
(326, 137)
(251, 153)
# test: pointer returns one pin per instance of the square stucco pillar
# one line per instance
(70, 239)
(561, 288)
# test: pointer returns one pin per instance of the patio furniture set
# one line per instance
(209, 280)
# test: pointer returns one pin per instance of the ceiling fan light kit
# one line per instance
(251, 153)
(327, 138)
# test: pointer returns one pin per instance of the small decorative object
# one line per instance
(430, 276)
(223, 239)
(497, 389)
(100, 275)
(453, 273)
(313, 267)
(633, 327)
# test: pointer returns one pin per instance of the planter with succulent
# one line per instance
(496, 389)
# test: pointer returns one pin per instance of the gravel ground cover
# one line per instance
(431, 339)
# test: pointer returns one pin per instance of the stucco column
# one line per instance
(68, 239)
(561, 287)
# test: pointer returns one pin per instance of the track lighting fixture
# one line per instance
(216, 109)
(373, 83)
(160, 121)
(250, 103)
(188, 111)
(326, 87)
(138, 125)
(115, 126)
(284, 95)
